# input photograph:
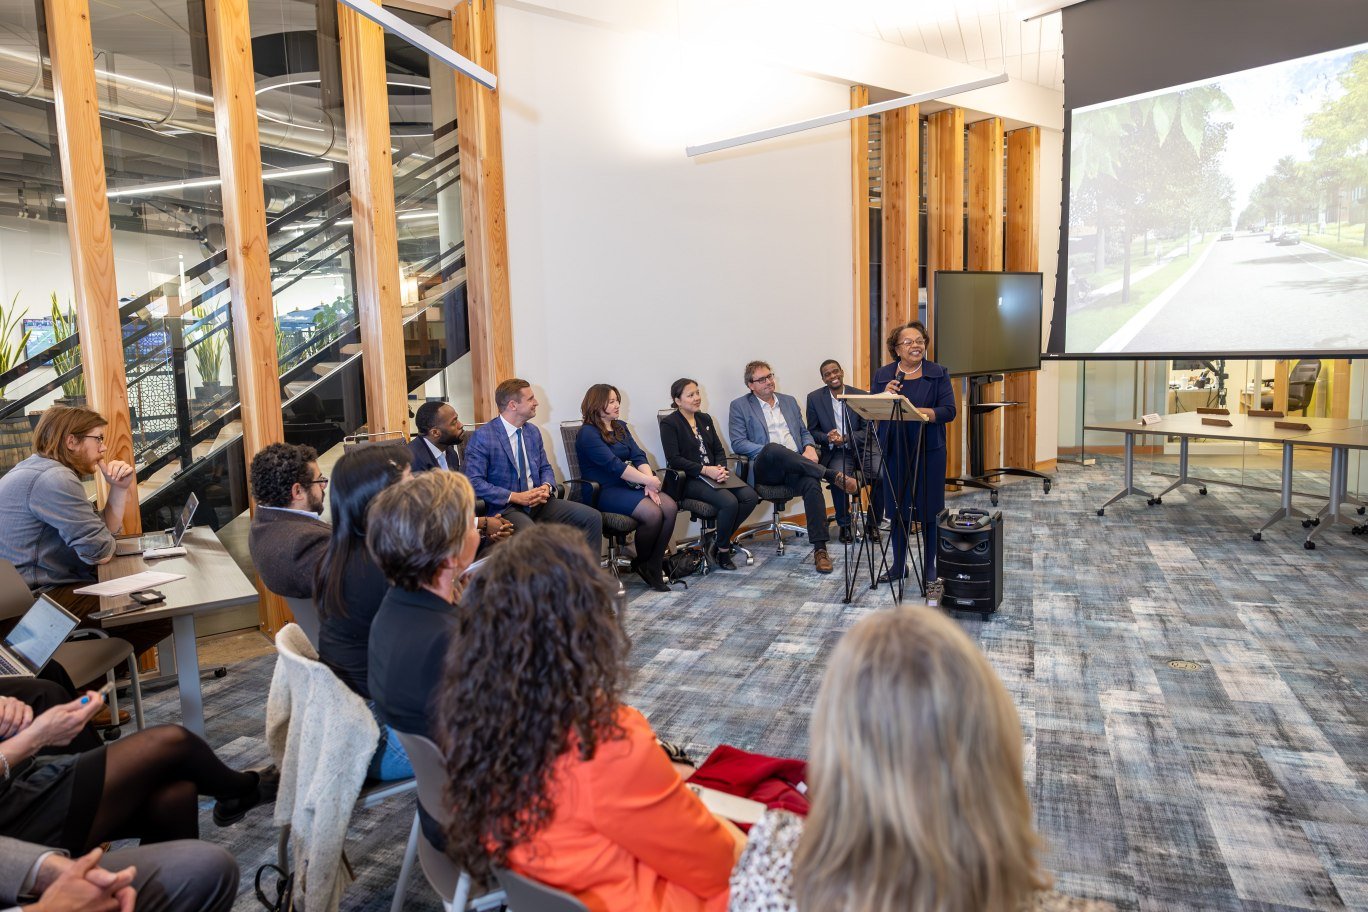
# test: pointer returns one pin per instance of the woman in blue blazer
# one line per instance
(610, 456)
(927, 385)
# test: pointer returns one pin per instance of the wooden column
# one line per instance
(901, 191)
(1281, 368)
(985, 247)
(91, 237)
(1022, 254)
(379, 308)
(244, 224)
(480, 137)
(859, 234)
(945, 237)
(1340, 374)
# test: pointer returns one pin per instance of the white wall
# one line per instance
(634, 265)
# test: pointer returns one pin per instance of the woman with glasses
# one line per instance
(916, 468)
(53, 536)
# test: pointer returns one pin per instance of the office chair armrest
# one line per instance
(481, 508)
(742, 464)
(82, 633)
(564, 491)
(672, 482)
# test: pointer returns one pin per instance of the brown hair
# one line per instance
(915, 772)
(753, 366)
(49, 437)
(891, 343)
(507, 391)
(591, 410)
(412, 526)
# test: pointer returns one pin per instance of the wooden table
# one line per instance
(212, 582)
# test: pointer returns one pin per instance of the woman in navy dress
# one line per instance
(927, 385)
(610, 456)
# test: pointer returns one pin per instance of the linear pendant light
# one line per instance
(842, 116)
(421, 40)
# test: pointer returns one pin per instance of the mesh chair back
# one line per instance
(569, 431)
(526, 895)
(15, 597)
(306, 616)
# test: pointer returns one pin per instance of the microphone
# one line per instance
(900, 376)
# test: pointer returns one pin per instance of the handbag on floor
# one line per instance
(684, 562)
(284, 889)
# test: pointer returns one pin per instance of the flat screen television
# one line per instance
(987, 322)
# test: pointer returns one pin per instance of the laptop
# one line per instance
(155, 540)
(32, 642)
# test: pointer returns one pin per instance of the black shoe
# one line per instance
(887, 577)
(723, 559)
(845, 536)
(652, 576)
(228, 811)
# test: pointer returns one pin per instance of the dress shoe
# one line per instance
(822, 560)
(652, 576)
(844, 535)
(889, 577)
(724, 560)
(103, 719)
(228, 811)
(847, 483)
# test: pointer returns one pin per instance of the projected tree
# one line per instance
(1338, 135)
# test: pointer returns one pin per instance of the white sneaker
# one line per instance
(934, 590)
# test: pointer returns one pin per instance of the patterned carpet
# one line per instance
(1237, 782)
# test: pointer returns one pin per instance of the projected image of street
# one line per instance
(1225, 216)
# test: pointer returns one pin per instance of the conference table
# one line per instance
(1339, 435)
(213, 582)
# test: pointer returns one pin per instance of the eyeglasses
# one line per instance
(99, 437)
(912, 343)
(764, 378)
(320, 480)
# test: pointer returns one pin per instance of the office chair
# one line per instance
(616, 526)
(1301, 386)
(705, 514)
(527, 895)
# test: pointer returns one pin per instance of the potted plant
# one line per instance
(63, 328)
(208, 356)
(14, 430)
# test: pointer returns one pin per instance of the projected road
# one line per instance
(1247, 292)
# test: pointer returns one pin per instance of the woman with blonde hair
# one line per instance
(915, 775)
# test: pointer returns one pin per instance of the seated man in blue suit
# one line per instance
(837, 430)
(768, 428)
(439, 430)
(509, 469)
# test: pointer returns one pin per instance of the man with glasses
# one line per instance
(287, 538)
(767, 427)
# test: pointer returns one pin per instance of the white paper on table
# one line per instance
(126, 584)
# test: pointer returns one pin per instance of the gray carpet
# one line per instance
(1235, 784)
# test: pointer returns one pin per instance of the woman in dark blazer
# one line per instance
(693, 447)
(927, 385)
(610, 456)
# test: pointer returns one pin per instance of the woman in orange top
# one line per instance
(551, 774)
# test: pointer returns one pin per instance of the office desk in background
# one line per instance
(212, 583)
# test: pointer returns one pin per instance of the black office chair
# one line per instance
(1301, 386)
(616, 526)
(778, 497)
(705, 514)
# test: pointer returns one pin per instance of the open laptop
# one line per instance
(154, 540)
(35, 638)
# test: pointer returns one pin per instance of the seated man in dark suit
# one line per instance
(287, 538)
(836, 430)
(509, 469)
(439, 432)
(768, 427)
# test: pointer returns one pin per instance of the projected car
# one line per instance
(1228, 236)
(1289, 238)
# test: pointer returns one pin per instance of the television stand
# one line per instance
(978, 477)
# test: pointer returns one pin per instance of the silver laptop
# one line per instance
(31, 643)
(154, 540)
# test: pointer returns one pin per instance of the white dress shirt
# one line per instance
(838, 409)
(512, 433)
(776, 425)
(438, 454)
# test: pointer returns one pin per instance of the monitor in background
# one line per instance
(987, 322)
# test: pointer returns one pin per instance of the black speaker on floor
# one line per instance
(969, 560)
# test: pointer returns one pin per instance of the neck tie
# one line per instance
(522, 462)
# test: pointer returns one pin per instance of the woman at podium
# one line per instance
(927, 385)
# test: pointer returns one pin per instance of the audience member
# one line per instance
(421, 533)
(767, 427)
(53, 536)
(915, 775)
(692, 446)
(610, 457)
(439, 433)
(182, 876)
(143, 786)
(552, 775)
(34, 696)
(507, 465)
(287, 538)
(836, 430)
(350, 586)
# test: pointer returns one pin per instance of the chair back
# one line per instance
(429, 766)
(306, 616)
(569, 431)
(527, 895)
(1301, 382)
(15, 596)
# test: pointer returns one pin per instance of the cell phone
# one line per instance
(147, 596)
(103, 693)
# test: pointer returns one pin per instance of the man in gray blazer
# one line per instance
(181, 876)
(767, 427)
(287, 539)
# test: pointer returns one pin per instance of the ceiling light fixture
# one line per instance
(1035, 11)
(153, 189)
(842, 116)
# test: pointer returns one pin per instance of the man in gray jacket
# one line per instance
(181, 876)
(287, 539)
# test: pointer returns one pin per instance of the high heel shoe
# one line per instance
(650, 573)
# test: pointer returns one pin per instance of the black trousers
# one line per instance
(843, 460)
(733, 506)
(778, 465)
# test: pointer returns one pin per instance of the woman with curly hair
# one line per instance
(915, 775)
(551, 774)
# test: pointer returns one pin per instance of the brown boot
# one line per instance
(104, 719)
(822, 560)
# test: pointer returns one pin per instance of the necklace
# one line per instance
(916, 371)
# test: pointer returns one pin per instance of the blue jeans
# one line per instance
(390, 761)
